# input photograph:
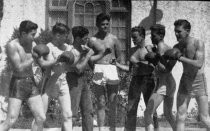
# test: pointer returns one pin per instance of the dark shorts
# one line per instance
(144, 84)
(107, 90)
(23, 88)
(193, 86)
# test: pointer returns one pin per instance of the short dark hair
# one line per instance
(101, 17)
(79, 31)
(27, 26)
(139, 29)
(60, 28)
(184, 23)
(159, 29)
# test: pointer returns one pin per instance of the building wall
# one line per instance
(196, 12)
(14, 11)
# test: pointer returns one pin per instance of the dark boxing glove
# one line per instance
(172, 54)
(152, 57)
(41, 50)
(66, 56)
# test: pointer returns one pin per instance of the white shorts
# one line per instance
(105, 74)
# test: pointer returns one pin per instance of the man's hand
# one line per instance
(35, 55)
(107, 51)
(90, 52)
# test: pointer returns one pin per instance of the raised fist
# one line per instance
(107, 51)
(172, 54)
(41, 50)
(66, 56)
(152, 57)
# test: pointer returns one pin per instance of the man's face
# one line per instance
(61, 38)
(155, 37)
(181, 33)
(104, 26)
(137, 38)
(85, 39)
(28, 39)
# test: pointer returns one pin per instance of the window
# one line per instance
(84, 12)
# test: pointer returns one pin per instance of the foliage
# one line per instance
(45, 36)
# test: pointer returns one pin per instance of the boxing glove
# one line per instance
(66, 56)
(172, 54)
(152, 57)
(41, 50)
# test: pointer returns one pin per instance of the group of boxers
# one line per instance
(63, 69)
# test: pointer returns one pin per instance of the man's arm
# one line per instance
(163, 64)
(98, 55)
(135, 57)
(199, 56)
(82, 63)
(118, 50)
(14, 57)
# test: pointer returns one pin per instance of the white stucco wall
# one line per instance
(196, 12)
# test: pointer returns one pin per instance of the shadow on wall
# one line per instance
(1, 10)
(149, 20)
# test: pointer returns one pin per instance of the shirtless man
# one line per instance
(142, 80)
(77, 79)
(107, 48)
(22, 85)
(54, 83)
(166, 85)
(193, 82)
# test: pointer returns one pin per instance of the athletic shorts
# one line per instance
(105, 74)
(23, 88)
(193, 86)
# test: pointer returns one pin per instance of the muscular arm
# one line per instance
(123, 67)
(82, 63)
(96, 56)
(14, 57)
(135, 57)
(118, 51)
(199, 56)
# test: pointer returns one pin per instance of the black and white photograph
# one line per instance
(104, 65)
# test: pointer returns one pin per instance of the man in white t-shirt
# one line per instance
(54, 82)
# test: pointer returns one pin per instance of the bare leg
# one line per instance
(168, 105)
(112, 111)
(45, 100)
(203, 110)
(182, 105)
(65, 103)
(101, 111)
(152, 105)
(37, 109)
(13, 112)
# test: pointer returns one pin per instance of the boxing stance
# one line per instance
(191, 52)
(22, 84)
(165, 86)
(77, 78)
(54, 82)
(142, 78)
(106, 47)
